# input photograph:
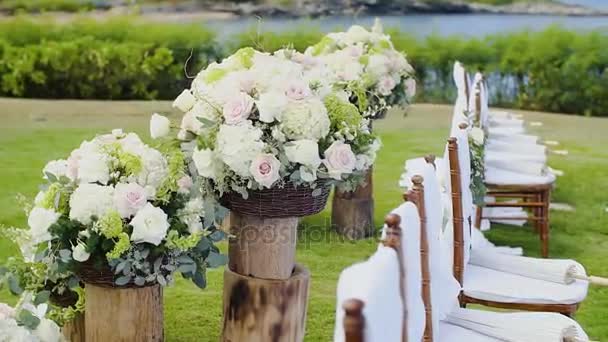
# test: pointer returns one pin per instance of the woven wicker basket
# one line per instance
(64, 300)
(288, 201)
(103, 277)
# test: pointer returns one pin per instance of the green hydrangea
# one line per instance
(321, 46)
(364, 59)
(182, 243)
(175, 164)
(245, 56)
(120, 247)
(342, 114)
(50, 197)
(127, 162)
(382, 45)
(214, 75)
(110, 225)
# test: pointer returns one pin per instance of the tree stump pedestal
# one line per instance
(352, 213)
(265, 291)
(74, 331)
(123, 314)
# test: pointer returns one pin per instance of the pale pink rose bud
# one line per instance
(298, 91)
(265, 169)
(237, 110)
(339, 159)
(184, 184)
(129, 198)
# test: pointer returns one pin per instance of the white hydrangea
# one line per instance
(239, 145)
(93, 168)
(154, 171)
(305, 120)
(39, 220)
(91, 200)
(305, 152)
(377, 66)
(207, 163)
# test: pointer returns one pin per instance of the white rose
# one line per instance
(159, 126)
(271, 105)
(48, 331)
(206, 162)
(184, 101)
(410, 88)
(93, 168)
(91, 200)
(149, 225)
(129, 198)
(237, 109)
(39, 221)
(265, 169)
(79, 253)
(339, 159)
(297, 90)
(305, 152)
(305, 120)
(386, 85)
(56, 168)
(478, 135)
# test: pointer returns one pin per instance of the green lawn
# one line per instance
(32, 132)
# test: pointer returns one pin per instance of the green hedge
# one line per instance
(121, 58)
(124, 58)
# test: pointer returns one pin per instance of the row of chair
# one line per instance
(418, 283)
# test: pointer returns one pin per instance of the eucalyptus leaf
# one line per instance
(157, 263)
(73, 283)
(51, 177)
(206, 122)
(120, 267)
(200, 280)
(139, 281)
(184, 259)
(27, 319)
(187, 268)
(13, 285)
(317, 192)
(42, 297)
(161, 280)
(124, 280)
(216, 259)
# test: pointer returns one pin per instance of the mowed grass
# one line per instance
(32, 132)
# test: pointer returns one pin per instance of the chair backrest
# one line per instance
(371, 294)
(457, 210)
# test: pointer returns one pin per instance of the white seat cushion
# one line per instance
(453, 333)
(506, 130)
(503, 177)
(506, 122)
(487, 284)
(526, 157)
(518, 138)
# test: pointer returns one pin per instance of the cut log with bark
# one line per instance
(262, 247)
(352, 213)
(123, 314)
(73, 330)
(261, 310)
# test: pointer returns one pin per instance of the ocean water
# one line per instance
(473, 25)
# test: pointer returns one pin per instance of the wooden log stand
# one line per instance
(123, 314)
(352, 213)
(265, 291)
(73, 331)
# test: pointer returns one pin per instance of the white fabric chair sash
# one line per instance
(410, 242)
(376, 283)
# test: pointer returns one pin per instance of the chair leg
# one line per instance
(478, 217)
(546, 198)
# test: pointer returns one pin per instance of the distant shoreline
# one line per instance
(189, 12)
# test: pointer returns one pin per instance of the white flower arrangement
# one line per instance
(27, 322)
(366, 66)
(128, 210)
(257, 121)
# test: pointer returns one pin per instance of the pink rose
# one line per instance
(386, 85)
(339, 159)
(237, 110)
(265, 169)
(129, 198)
(6, 311)
(298, 91)
(355, 51)
(184, 184)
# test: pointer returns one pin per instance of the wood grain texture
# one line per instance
(261, 310)
(262, 247)
(74, 330)
(457, 212)
(124, 315)
(354, 321)
(352, 213)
